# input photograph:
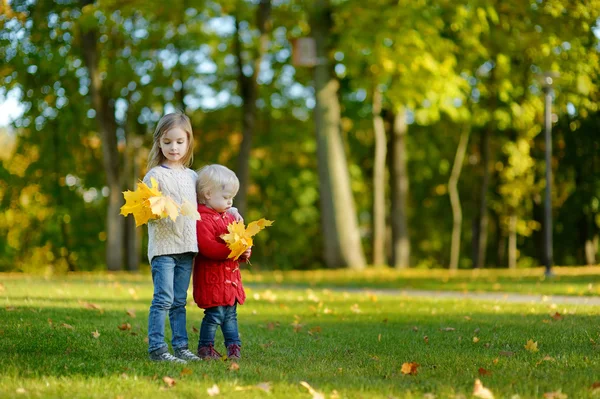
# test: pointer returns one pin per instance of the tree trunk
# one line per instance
(591, 249)
(512, 240)
(379, 182)
(455, 199)
(105, 117)
(480, 234)
(343, 246)
(249, 93)
(399, 179)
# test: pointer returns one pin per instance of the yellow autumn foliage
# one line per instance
(146, 203)
(240, 239)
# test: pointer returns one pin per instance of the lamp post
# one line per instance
(547, 80)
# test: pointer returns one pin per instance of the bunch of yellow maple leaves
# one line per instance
(239, 238)
(146, 203)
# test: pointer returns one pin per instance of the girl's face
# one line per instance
(174, 145)
(221, 199)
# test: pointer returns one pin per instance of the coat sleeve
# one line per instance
(209, 245)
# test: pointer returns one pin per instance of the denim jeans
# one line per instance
(171, 278)
(226, 317)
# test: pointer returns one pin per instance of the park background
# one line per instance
(392, 142)
(412, 137)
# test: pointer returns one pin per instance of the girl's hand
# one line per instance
(233, 211)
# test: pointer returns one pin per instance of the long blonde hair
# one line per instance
(166, 123)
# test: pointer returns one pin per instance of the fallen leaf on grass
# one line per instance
(506, 353)
(50, 322)
(546, 359)
(95, 334)
(67, 326)
(556, 316)
(595, 386)
(448, 329)
(483, 372)
(133, 293)
(213, 391)
(10, 308)
(186, 371)
(194, 329)
(311, 390)
(410, 368)
(555, 395)
(479, 391)
(92, 306)
(426, 339)
(124, 327)
(531, 346)
(169, 381)
(475, 340)
(234, 367)
(265, 346)
(314, 330)
(415, 328)
(264, 386)
(131, 313)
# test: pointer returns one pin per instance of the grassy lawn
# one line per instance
(60, 337)
(579, 281)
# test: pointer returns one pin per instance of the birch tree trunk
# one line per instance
(379, 180)
(455, 199)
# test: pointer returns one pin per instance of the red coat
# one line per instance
(217, 280)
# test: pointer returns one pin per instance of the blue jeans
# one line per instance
(171, 278)
(224, 316)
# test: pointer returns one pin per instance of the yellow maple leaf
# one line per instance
(190, 210)
(531, 346)
(410, 368)
(164, 207)
(137, 202)
(239, 238)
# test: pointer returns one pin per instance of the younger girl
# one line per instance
(218, 285)
(171, 245)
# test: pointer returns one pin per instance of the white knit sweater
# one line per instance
(166, 237)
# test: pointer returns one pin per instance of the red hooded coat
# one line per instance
(217, 280)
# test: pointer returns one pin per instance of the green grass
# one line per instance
(577, 281)
(346, 345)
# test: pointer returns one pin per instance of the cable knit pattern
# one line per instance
(166, 237)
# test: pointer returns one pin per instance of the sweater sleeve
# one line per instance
(209, 245)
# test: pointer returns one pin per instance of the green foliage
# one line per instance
(475, 62)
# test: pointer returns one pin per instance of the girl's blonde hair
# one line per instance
(166, 123)
(211, 177)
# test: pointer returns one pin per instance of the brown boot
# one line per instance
(233, 352)
(208, 353)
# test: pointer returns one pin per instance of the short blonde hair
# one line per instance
(215, 176)
(171, 121)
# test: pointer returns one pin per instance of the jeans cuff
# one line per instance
(160, 350)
